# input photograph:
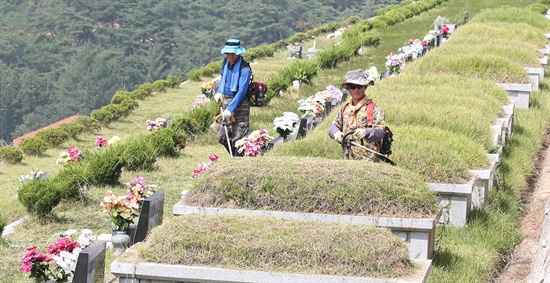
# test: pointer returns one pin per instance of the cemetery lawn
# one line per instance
(315, 185)
(275, 245)
(471, 254)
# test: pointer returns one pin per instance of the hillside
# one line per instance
(61, 58)
(458, 258)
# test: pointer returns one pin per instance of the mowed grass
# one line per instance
(290, 246)
(315, 185)
(471, 254)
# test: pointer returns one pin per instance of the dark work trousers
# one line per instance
(235, 130)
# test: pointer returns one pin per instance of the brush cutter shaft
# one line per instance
(226, 133)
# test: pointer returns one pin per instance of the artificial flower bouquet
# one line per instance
(72, 155)
(200, 101)
(372, 74)
(60, 263)
(121, 209)
(156, 124)
(255, 143)
(313, 105)
(394, 63)
(286, 124)
(439, 22)
(444, 31)
(101, 142)
(138, 190)
(207, 88)
(329, 93)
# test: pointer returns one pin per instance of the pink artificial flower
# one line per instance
(444, 29)
(424, 43)
(213, 157)
(100, 141)
(32, 256)
(63, 244)
(411, 41)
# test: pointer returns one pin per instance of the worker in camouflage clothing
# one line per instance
(354, 116)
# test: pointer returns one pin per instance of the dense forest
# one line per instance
(65, 57)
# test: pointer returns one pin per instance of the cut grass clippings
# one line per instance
(315, 185)
(275, 245)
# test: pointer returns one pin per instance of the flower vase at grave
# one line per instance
(121, 241)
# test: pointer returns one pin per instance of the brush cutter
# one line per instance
(224, 123)
(348, 140)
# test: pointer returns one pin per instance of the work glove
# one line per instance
(361, 133)
(218, 97)
(338, 136)
(226, 114)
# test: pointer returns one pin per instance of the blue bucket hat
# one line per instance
(233, 46)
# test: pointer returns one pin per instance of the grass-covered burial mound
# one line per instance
(276, 245)
(314, 185)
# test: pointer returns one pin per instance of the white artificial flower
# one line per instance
(114, 140)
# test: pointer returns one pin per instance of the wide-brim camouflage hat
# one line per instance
(356, 77)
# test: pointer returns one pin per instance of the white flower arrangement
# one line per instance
(372, 74)
(67, 260)
(313, 105)
(286, 124)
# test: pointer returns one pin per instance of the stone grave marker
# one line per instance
(90, 266)
(306, 125)
(150, 216)
(275, 143)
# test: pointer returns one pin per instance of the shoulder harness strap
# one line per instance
(370, 112)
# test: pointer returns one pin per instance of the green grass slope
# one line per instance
(471, 254)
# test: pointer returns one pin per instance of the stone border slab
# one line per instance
(455, 201)
(518, 93)
(153, 272)
(419, 233)
(509, 116)
(535, 76)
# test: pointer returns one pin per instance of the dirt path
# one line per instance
(519, 266)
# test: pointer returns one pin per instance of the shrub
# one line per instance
(165, 142)
(73, 129)
(204, 116)
(173, 81)
(103, 166)
(72, 180)
(160, 85)
(194, 75)
(138, 154)
(148, 87)
(139, 93)
(33, 145)
(10, 155)
(116, 111)
(538, 8)
(378, 23)
(298, 37)
(102, 116)
(120, 96)
(185, 125)
(353, 20)
(130, 104)
(53, 136)
(39, 197)
(90, 124)
(329, 57)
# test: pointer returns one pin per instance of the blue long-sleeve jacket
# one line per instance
(240, 94)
